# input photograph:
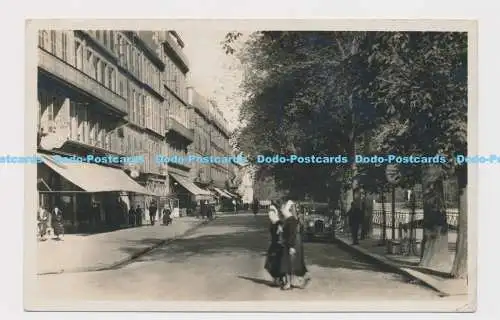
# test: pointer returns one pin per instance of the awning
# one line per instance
(41, 184)
(231, 194)
(190, 186)
(93, 177)
(222, 193)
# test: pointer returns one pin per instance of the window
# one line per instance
(82, 117)
(73, 124)
(138, 64)
(95, 68)
(102, 76)
(112, 40)
(111, 79)
(64, 46)
(101, 140)
(98, 34)
(148, 113)
(142, 120)
(132, 103)
(121, 48)
(47, 112)
(129, 57)
(43, 39)
(105, 38)
(95, 131)
(53, 42)
(121, 88)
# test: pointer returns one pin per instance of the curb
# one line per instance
(124, 261)
(389, 265)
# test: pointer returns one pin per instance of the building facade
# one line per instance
(211, 138)
(123, 94)
(85, 85)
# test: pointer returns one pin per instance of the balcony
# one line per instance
(174, 50)
(175, 128)
(80, 80)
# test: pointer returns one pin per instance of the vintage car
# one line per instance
(317, 222)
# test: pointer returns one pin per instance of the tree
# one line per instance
(420, 81)
(301, 99)
(332, 92)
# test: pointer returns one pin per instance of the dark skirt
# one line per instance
(294, 265)
(273, 260)
(58, 228)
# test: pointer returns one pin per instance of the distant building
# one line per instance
(246, 172)
(211, 138)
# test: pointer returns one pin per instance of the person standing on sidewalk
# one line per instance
(131, 217)
(58, 223)
(166, 215)
(355, 216)
(152, 212)
(138, 215)
(255, 206)
(234, 205)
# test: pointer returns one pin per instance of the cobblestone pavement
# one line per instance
(223, 261)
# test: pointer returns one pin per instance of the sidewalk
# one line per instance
(78, 253)
(439, 280)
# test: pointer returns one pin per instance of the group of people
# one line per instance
(207, 209)
(50, 222)
(285, 257)
(136, 214)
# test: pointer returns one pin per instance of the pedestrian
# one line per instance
(43, 218)
(355, 216)
(210, 211)
(58, 223)
(234, 205)
(292, 257)
(152, 212)
(166, 215)
(138, 215)
(95, 213)
(203, 209)
(255, 206)
(131, 217)
(274, 252)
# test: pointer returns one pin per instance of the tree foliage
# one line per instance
(327, 93)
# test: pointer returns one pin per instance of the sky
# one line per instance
(212, 73)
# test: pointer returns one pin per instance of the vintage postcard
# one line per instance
(251, 165)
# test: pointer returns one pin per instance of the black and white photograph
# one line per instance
(207, 165)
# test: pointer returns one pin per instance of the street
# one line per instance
(224, 260)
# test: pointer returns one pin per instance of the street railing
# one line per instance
(406, 232)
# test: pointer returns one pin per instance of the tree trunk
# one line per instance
(459, 269)
(434, 253)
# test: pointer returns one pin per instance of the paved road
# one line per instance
(224, 261)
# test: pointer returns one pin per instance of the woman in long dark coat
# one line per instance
(274, 252)
(58, 224)
(292, 258)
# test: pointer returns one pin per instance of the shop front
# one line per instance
(189, 194)
(92, 197)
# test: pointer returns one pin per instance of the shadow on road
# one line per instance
(235, 236)
(258, 281)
